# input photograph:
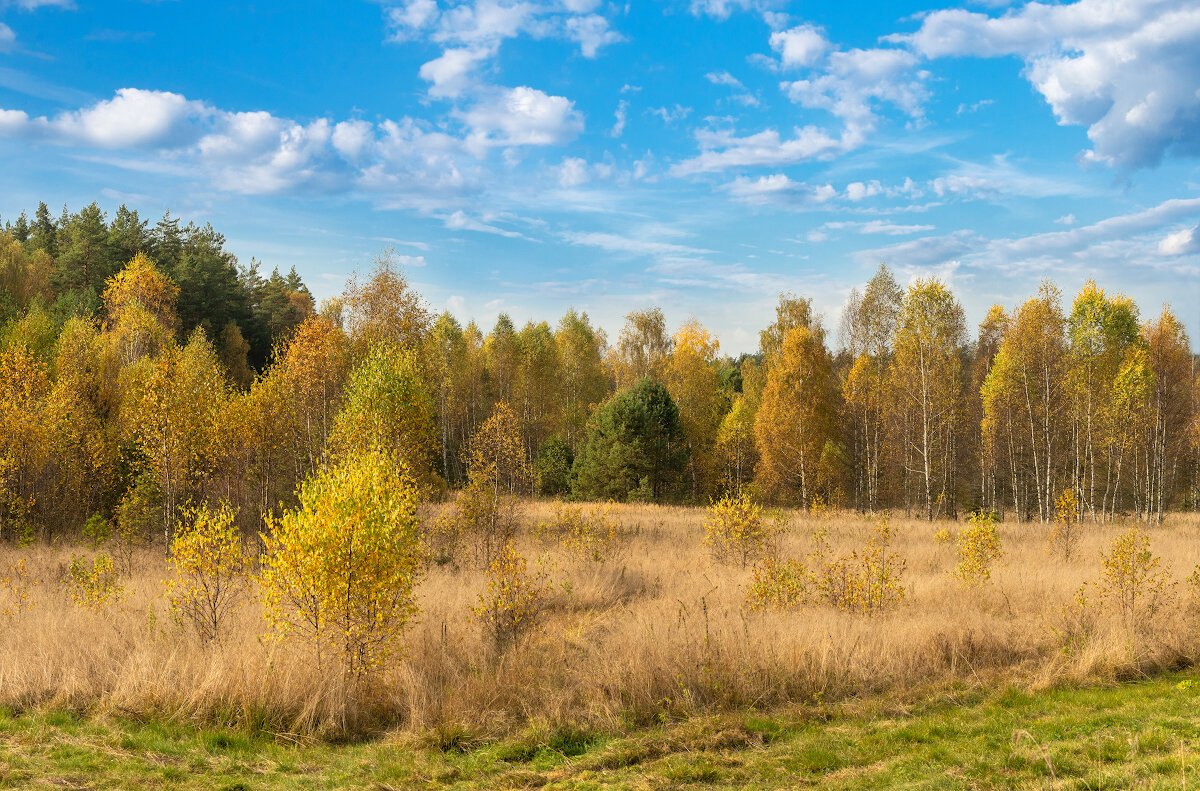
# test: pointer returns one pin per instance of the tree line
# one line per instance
(144, 372)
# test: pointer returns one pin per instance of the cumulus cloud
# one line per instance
(406, 162)
(853, 81)
(857, 190)
(472, 32)
(132, 118)
(409, 19)
(803, 45)
(522, 116)
(850, 85)
(1183, 242)
(449, 74)
(572, 172)
(1127, 71)
(591, 32)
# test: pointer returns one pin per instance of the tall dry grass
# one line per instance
(662, 633)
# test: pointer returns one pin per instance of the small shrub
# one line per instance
(818, 507)
(782, 585)
(340, 569)
(96, 585)
(443, 537)
(514, 601)
(1077, 622)
(1133, 583)
(977, 547)
(735, 530)
(1064, 536)
(137, 517)
(488, 509)
(19, 586)
(595, 534)
(210, 566)
(868, 582)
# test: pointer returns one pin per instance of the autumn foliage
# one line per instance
(340, 569)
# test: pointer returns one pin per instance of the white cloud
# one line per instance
(460, 221)
(472, 32)
(1120, 241)
(974, 107)
(591, 32)
(1127, 71)
(1182, 242)
(720, 150)
(615, 243)
(1066, 219)
(848, 84)
(777, 188)
(412, 17)
(999, 177)
(728, 80)
(8, 38)
(670, 115)
(721, 9)
(132, 118)
(403, 164)
(352, 139)
(857, 190)
(410, 260)
(878, 227)
(854, 80)
(724, 78)
(451, 71)
(483, 21)
(30, 5)
(520, 117)
(572, 172)
(619, 119)
(922, 253)
(803, 45)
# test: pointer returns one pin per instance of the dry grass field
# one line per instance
(660, 633)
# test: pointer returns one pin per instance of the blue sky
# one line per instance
(703, 155)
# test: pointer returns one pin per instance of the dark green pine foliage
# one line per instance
(85, 259)
(128, 235)
(20, 229)
(634, 447)
(552, 467)
(44, 234)
(210, 295)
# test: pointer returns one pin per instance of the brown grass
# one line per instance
(661, 634)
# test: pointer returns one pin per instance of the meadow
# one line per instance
(656, 633)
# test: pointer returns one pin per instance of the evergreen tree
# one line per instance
(634, 449)
(44, 235)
